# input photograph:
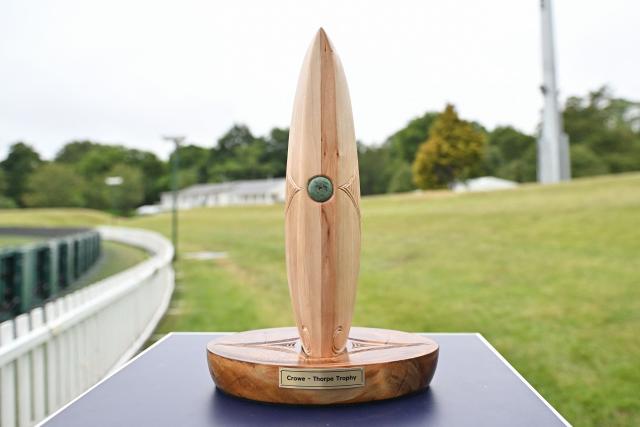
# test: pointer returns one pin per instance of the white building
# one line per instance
(249, 192)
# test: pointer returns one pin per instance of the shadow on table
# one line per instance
(415, 409)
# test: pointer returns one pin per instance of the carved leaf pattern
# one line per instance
(292, 190)
(355, 345)
(351, 189)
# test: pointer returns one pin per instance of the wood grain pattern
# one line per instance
(395, 363)
(322, 239)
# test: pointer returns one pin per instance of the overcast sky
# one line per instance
(126, 71)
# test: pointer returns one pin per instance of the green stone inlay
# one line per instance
(320, 188)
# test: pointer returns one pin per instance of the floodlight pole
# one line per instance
(177, 140)
(553, 144)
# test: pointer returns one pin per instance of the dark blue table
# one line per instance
(169, 385)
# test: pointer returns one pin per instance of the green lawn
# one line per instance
(115, 258)
(7, 241)
(550, 275)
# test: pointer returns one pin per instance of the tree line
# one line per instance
(431, 151)
(437, 149)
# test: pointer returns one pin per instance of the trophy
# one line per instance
(323, 360)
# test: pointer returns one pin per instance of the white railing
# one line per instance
(53, 354)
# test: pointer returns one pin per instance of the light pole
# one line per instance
(177, 140)
(113, 181)
(553, 144)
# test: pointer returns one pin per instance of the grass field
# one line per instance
(550, 275)
(115, 258)
(7, 241)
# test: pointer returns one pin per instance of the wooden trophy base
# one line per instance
(269, 365)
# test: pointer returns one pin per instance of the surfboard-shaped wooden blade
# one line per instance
(322, 211)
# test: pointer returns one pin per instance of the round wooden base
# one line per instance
(269, 365)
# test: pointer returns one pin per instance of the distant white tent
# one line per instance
(485, 183)
(149, 210)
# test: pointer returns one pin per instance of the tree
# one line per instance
(374, 165)
(402, 179)
(236, 137)
(93, 160)
(453, 152)
(54, 185)
(277, 144)
(19, 164)
(190, 156)
(152, 170)
(404, 143)
(192, 160)
(5, 202)
(585, 162)
(3, 183)
(74, 151)
(245, 163)
(240, 155)
(128, 195)
(100, 159)
(608, 126)
(511, 154)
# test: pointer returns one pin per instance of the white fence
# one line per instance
(52, 354)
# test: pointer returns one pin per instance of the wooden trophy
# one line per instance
(324, 360)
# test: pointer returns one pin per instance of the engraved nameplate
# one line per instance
(321, 378)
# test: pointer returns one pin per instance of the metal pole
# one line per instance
(174, 207)
(553, 146)
(113, 205)
(177, 140)
(113, 182)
